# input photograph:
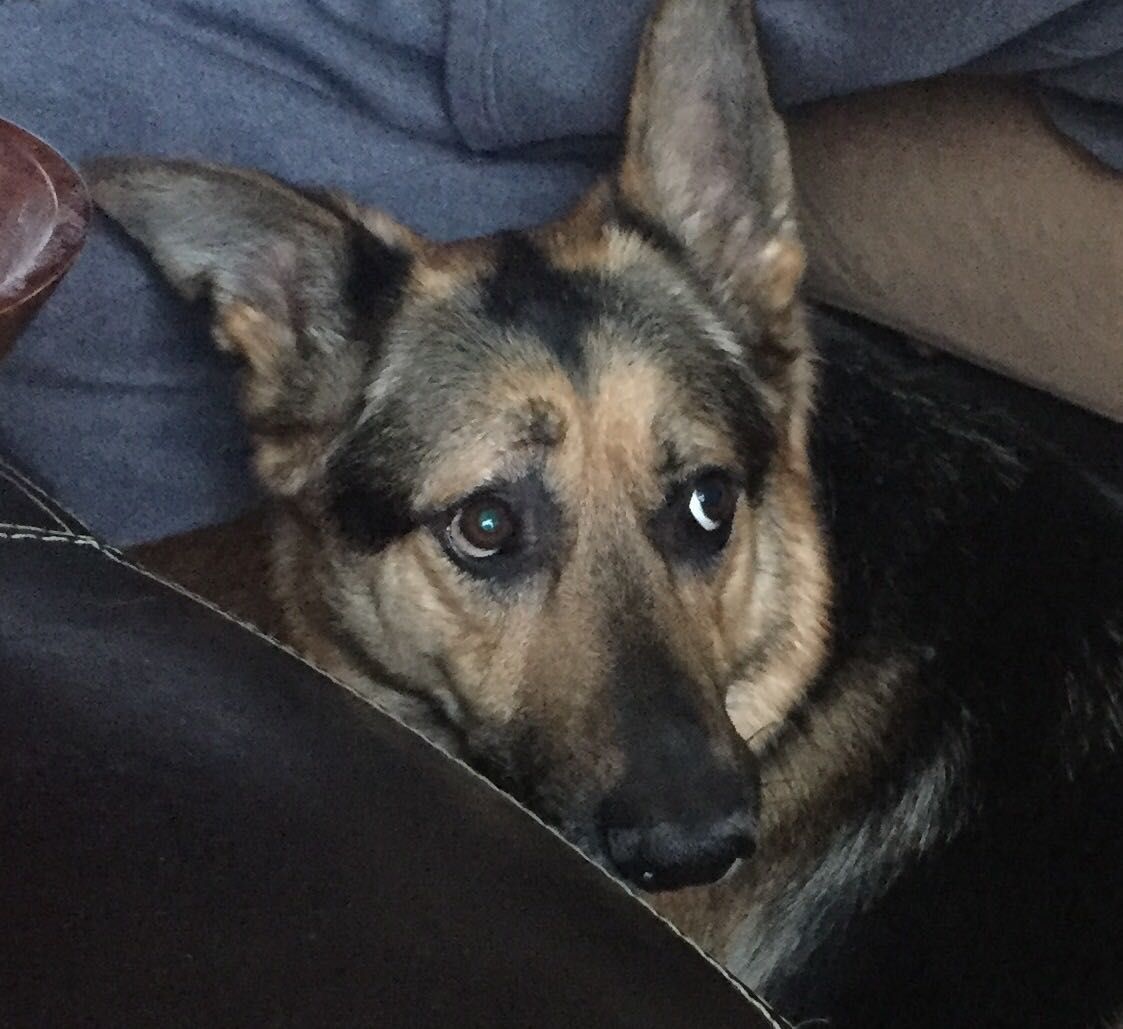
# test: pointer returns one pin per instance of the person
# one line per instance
(459, 117)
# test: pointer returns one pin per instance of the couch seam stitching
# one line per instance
(59, 510)
(47, 536)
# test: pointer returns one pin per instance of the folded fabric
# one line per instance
(522, 73)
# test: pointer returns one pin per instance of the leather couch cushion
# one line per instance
(199, 829)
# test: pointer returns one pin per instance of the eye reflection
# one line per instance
(712, 502)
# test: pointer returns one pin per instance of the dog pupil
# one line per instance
(490, 522)
(487, 525)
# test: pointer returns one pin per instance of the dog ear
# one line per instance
(300, 284)
(706, 157)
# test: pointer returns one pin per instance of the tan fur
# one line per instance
(579, 239)
(259, 339)
(500, 438)
(378, 223)
(584, 240)
(777, 673)
(446, 269)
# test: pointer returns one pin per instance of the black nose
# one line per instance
(666, 856)
(688, 849)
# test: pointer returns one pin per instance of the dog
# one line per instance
(845, 705)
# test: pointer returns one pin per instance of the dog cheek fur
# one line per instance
(777, 613)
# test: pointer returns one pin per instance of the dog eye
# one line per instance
(697, 519)
(713, 500)
(482, 527)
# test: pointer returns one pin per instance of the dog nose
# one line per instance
(668, 856)
(672, 853)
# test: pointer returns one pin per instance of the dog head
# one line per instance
(544, 494)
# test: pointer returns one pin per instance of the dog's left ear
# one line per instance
(301, 286)
(706, 157)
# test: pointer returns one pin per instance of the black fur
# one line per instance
(976, 545)
(528, 293)
(656, 235)
(376, 276)
(367, 486)
(370, 515)
(751, 428)
(376, 272)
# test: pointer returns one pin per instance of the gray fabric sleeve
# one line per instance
(524, 72)
(521, 73)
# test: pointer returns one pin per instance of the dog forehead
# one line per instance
(542, 302)
(627, 431)
(585, 341)
(549, 287)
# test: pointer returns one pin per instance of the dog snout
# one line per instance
(656, 850)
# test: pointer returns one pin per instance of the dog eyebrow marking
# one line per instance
(758, 440)
(370, 515)
(366, 492)
(538, 425)
(528, 292)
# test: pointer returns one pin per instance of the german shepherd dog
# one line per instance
(549, 497)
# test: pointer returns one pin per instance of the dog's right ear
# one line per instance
(706, 158)
(301, 286)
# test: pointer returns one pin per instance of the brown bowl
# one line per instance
(44, 213)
